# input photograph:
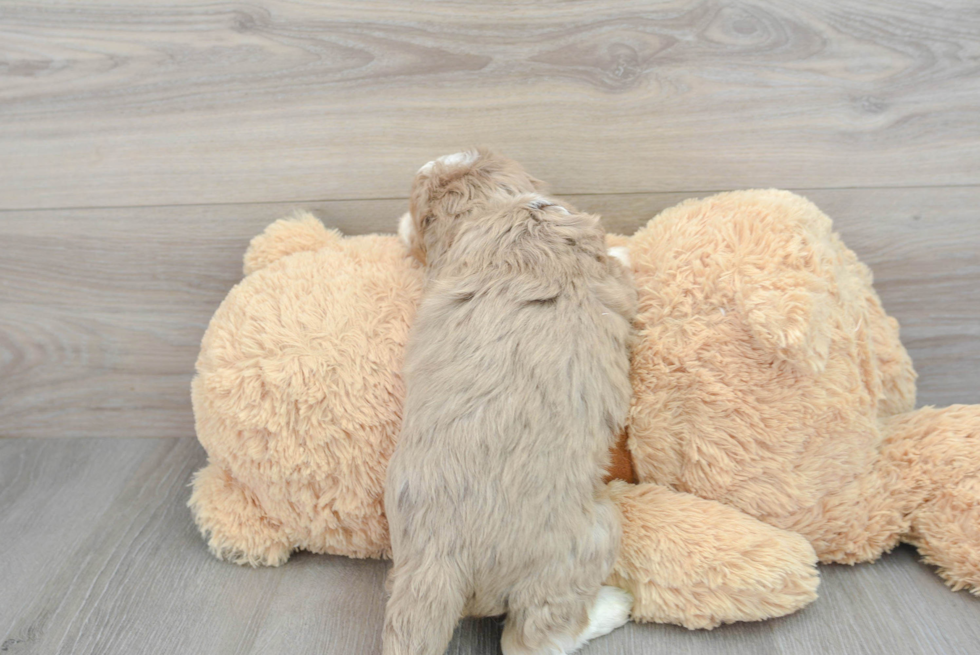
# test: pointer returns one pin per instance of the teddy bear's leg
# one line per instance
(937, 454)
(946, 530)
(233, 523)
(699, 563)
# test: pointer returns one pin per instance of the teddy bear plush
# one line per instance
(772, 423)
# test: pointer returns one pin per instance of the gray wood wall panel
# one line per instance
(102, 310)
(123, 103)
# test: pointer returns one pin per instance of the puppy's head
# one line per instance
(448, 190)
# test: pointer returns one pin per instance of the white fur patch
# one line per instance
(620, 253)
(406, 229)
(541, 202)
(612, 609)
(456, 159)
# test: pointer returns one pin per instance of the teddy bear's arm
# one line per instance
(698, 563)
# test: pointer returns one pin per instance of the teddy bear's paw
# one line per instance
(274, 554)
(947, 533)
(232, 522)
(699, 563)
(933, 453)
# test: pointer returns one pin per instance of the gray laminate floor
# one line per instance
(100, 556)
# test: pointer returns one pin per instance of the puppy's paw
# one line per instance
(611, 609)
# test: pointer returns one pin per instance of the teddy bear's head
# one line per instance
(298, 392)
(764, 359)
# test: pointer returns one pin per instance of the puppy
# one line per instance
(517, 383)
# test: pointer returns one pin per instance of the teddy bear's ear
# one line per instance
(297, 233)
(790, 315)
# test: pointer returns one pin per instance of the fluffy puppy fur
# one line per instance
(517, 381)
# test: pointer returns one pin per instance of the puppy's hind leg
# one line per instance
(611, 609)
(548, 613)
(546, 628)
(422, 611)
(557, 628)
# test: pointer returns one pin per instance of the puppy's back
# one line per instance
(517, 381)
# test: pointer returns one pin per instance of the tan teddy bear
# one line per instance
(771, 411)
(768, 377)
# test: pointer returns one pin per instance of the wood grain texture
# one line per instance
(101, 558)
(123, 103)
(42, 513)
(102, 310)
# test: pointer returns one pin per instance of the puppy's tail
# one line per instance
(423, 610)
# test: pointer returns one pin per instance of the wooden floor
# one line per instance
(99, 558)
(144, 142)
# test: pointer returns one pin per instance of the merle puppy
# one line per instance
(517, 383)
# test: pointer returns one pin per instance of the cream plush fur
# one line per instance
(298, 398)
(771, 423)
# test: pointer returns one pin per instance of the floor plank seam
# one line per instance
(692, 192)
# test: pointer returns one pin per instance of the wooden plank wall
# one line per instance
(143, 143)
